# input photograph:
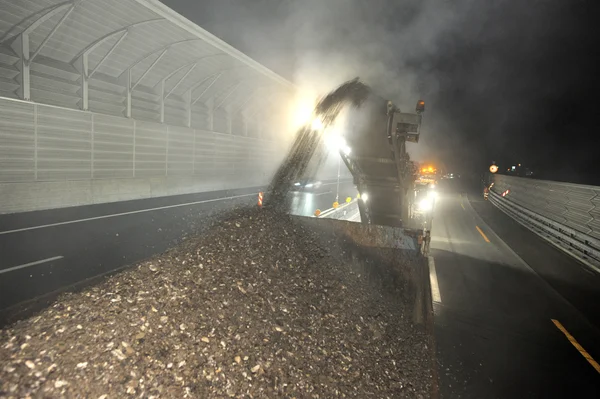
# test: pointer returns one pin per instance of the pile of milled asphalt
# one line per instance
(254, 307)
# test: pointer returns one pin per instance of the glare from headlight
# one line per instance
(426, 204)
(309, 185)
(364, 197)
(317, 124)
(296, 184)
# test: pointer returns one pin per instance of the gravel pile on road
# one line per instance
(254, 307)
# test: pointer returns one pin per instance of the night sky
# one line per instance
(506, 81)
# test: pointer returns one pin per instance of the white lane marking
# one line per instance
(323, 213)
(327, 192)
(341, 182)
(122, 214)
(435, 288)
(38, 262)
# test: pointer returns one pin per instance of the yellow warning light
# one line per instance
(317, 212)
(420, 106)
(336, 204)
(348, 200)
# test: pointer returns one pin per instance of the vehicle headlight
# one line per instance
(309, 185)
(296, 184)
(426, 204)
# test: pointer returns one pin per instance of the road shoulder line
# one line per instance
(37, 262)
(123, 214)
(433, 280)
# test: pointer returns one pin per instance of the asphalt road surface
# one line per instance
(44, 252)
(502, 327)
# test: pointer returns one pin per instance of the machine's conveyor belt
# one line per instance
(379, 165)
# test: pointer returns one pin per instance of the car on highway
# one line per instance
(306, 185)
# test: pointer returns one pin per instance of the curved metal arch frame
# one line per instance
(20, 42)
(162, 49)
(125, 30)
(192, 66)
(131, 85)
(227, 89)
(46, 14)
(267, 88)
(189, 93)
(216, 75)
(83, 56)
(268, 99)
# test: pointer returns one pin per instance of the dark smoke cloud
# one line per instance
(504, 80)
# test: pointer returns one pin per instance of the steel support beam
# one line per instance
(246, 101)
(21, 45)
(147, 71)
(206, 89)
(44, 15)
(162, 101)
(229, 122)
(108, 54)
(234, 87)
(188, 105)
(128, 100)
(85, 80)
(211, 115)
(52, 32)
(179, 81)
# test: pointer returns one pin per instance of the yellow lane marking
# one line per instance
(463, 207)
(574, 342)
(482, 234)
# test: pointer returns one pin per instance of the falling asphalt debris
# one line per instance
(263, 310)
(307, 149)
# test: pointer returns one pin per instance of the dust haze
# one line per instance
(486, 69)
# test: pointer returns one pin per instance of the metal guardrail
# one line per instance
(573, 205)
(578, 244)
